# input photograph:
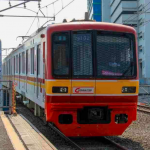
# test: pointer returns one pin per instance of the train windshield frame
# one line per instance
(95, 54)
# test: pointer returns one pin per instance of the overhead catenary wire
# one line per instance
(49, 19)
(31, 24)
(137, 13)
(49, 4)
(64, 8)
(58, 12)
(140, 14)
(27, 9)
(146, 22)
(25, 16)
(15, 6)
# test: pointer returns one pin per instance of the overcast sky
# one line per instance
(10, 28)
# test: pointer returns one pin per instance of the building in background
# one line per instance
(144, 37)
(96, 11)
(135, 13)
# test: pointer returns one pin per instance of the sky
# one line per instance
(11, 28)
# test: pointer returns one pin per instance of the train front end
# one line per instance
(91, 78)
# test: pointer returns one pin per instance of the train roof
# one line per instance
(84, 25)
(102, 25)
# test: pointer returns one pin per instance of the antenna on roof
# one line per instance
(65, 20)
(86, 16)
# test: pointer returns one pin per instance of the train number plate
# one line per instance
(96, 113)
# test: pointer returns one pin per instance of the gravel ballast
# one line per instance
(137, 135)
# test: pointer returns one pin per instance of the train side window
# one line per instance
(27, 62)
(32, 60)
(17, 64)
(38, 58)
(14, 65)
(9, 67)
(4, 68)
(23, 62)
(60, 54)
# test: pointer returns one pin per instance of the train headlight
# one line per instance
(60, 89)
(128, 89)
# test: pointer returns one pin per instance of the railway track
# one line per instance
(119, 147)
(145, 109)
(114, 144)
(64, 137)
(101, 142)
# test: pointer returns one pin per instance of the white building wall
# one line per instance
(106, 10)
(144, 44)
(113, 6)
(147, 43)
(91, 15)
(125, 8)
(116, 13)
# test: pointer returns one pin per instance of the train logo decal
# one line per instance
(83, 90)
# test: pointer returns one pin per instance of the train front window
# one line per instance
(61, 54)
(94, 54)
(115, 55)
(82, 58)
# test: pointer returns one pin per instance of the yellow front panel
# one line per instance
(115, 87)
(57, 83)
(100, 86)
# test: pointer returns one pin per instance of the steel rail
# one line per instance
(144, 109)
(115, 144)
(64, 137)
(144, 106)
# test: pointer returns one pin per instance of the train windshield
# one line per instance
(94, 54)
(61, 54)
(82, 54)
(115, 55)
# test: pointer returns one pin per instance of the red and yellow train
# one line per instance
(82, 76)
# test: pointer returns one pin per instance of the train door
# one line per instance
(43, 90)
(38, 82)
(83, 81)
